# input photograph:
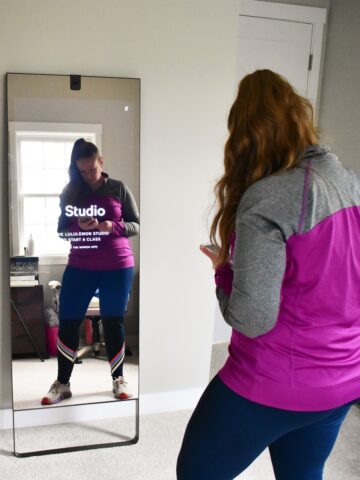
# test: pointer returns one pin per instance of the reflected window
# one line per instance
(40, 161)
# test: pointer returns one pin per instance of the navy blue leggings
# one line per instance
(77, 289)
(227, 432)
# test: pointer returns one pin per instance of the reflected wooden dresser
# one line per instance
(29, 302)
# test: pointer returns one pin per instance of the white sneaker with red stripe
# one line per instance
(121, 389)
(58, 392)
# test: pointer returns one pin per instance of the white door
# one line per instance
(279, 45)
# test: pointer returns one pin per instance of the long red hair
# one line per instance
(270, 126)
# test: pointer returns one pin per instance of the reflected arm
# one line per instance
(129, 226)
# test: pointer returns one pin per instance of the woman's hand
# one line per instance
(213, 255)
(88, 224)
(105, 226)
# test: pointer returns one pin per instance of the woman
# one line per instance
(98, 215)
(290, 290)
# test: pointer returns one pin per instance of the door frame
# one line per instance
(317, 17)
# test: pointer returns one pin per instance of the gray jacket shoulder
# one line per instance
(332, 187)
(275, 200)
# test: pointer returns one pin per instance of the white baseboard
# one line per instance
(5, 418)
(170, 401)
(73, 413)
(150, 403)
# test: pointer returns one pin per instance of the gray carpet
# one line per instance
(154, 457)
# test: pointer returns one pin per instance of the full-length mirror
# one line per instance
(74, 247)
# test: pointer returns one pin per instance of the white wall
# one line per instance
(340, 112)
(184, 53)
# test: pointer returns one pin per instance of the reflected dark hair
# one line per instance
(81, 149)
(76, 186)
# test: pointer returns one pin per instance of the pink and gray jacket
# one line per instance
(111, 251)
(292, 290)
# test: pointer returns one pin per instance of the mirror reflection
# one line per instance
(98, 215)
(74, 183)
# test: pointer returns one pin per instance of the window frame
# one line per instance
(17, 132)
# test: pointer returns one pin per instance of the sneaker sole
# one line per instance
(123, 396)
(47, 401)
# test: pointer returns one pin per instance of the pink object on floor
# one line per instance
(51, 334)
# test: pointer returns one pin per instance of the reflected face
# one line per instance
(90, 170)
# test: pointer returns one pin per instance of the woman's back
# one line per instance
(295, 302)
(289, 290)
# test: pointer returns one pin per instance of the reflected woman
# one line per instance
(98, 215)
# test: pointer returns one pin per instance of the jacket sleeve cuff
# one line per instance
(224, 278)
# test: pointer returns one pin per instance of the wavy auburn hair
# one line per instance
(270, 127)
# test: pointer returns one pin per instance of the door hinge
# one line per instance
(310, 61)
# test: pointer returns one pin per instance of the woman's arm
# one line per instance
(249, 290)
(129, 226)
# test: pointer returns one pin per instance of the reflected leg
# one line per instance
(114, 334)
(114, 288)
(68, 343)
(77, 289)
